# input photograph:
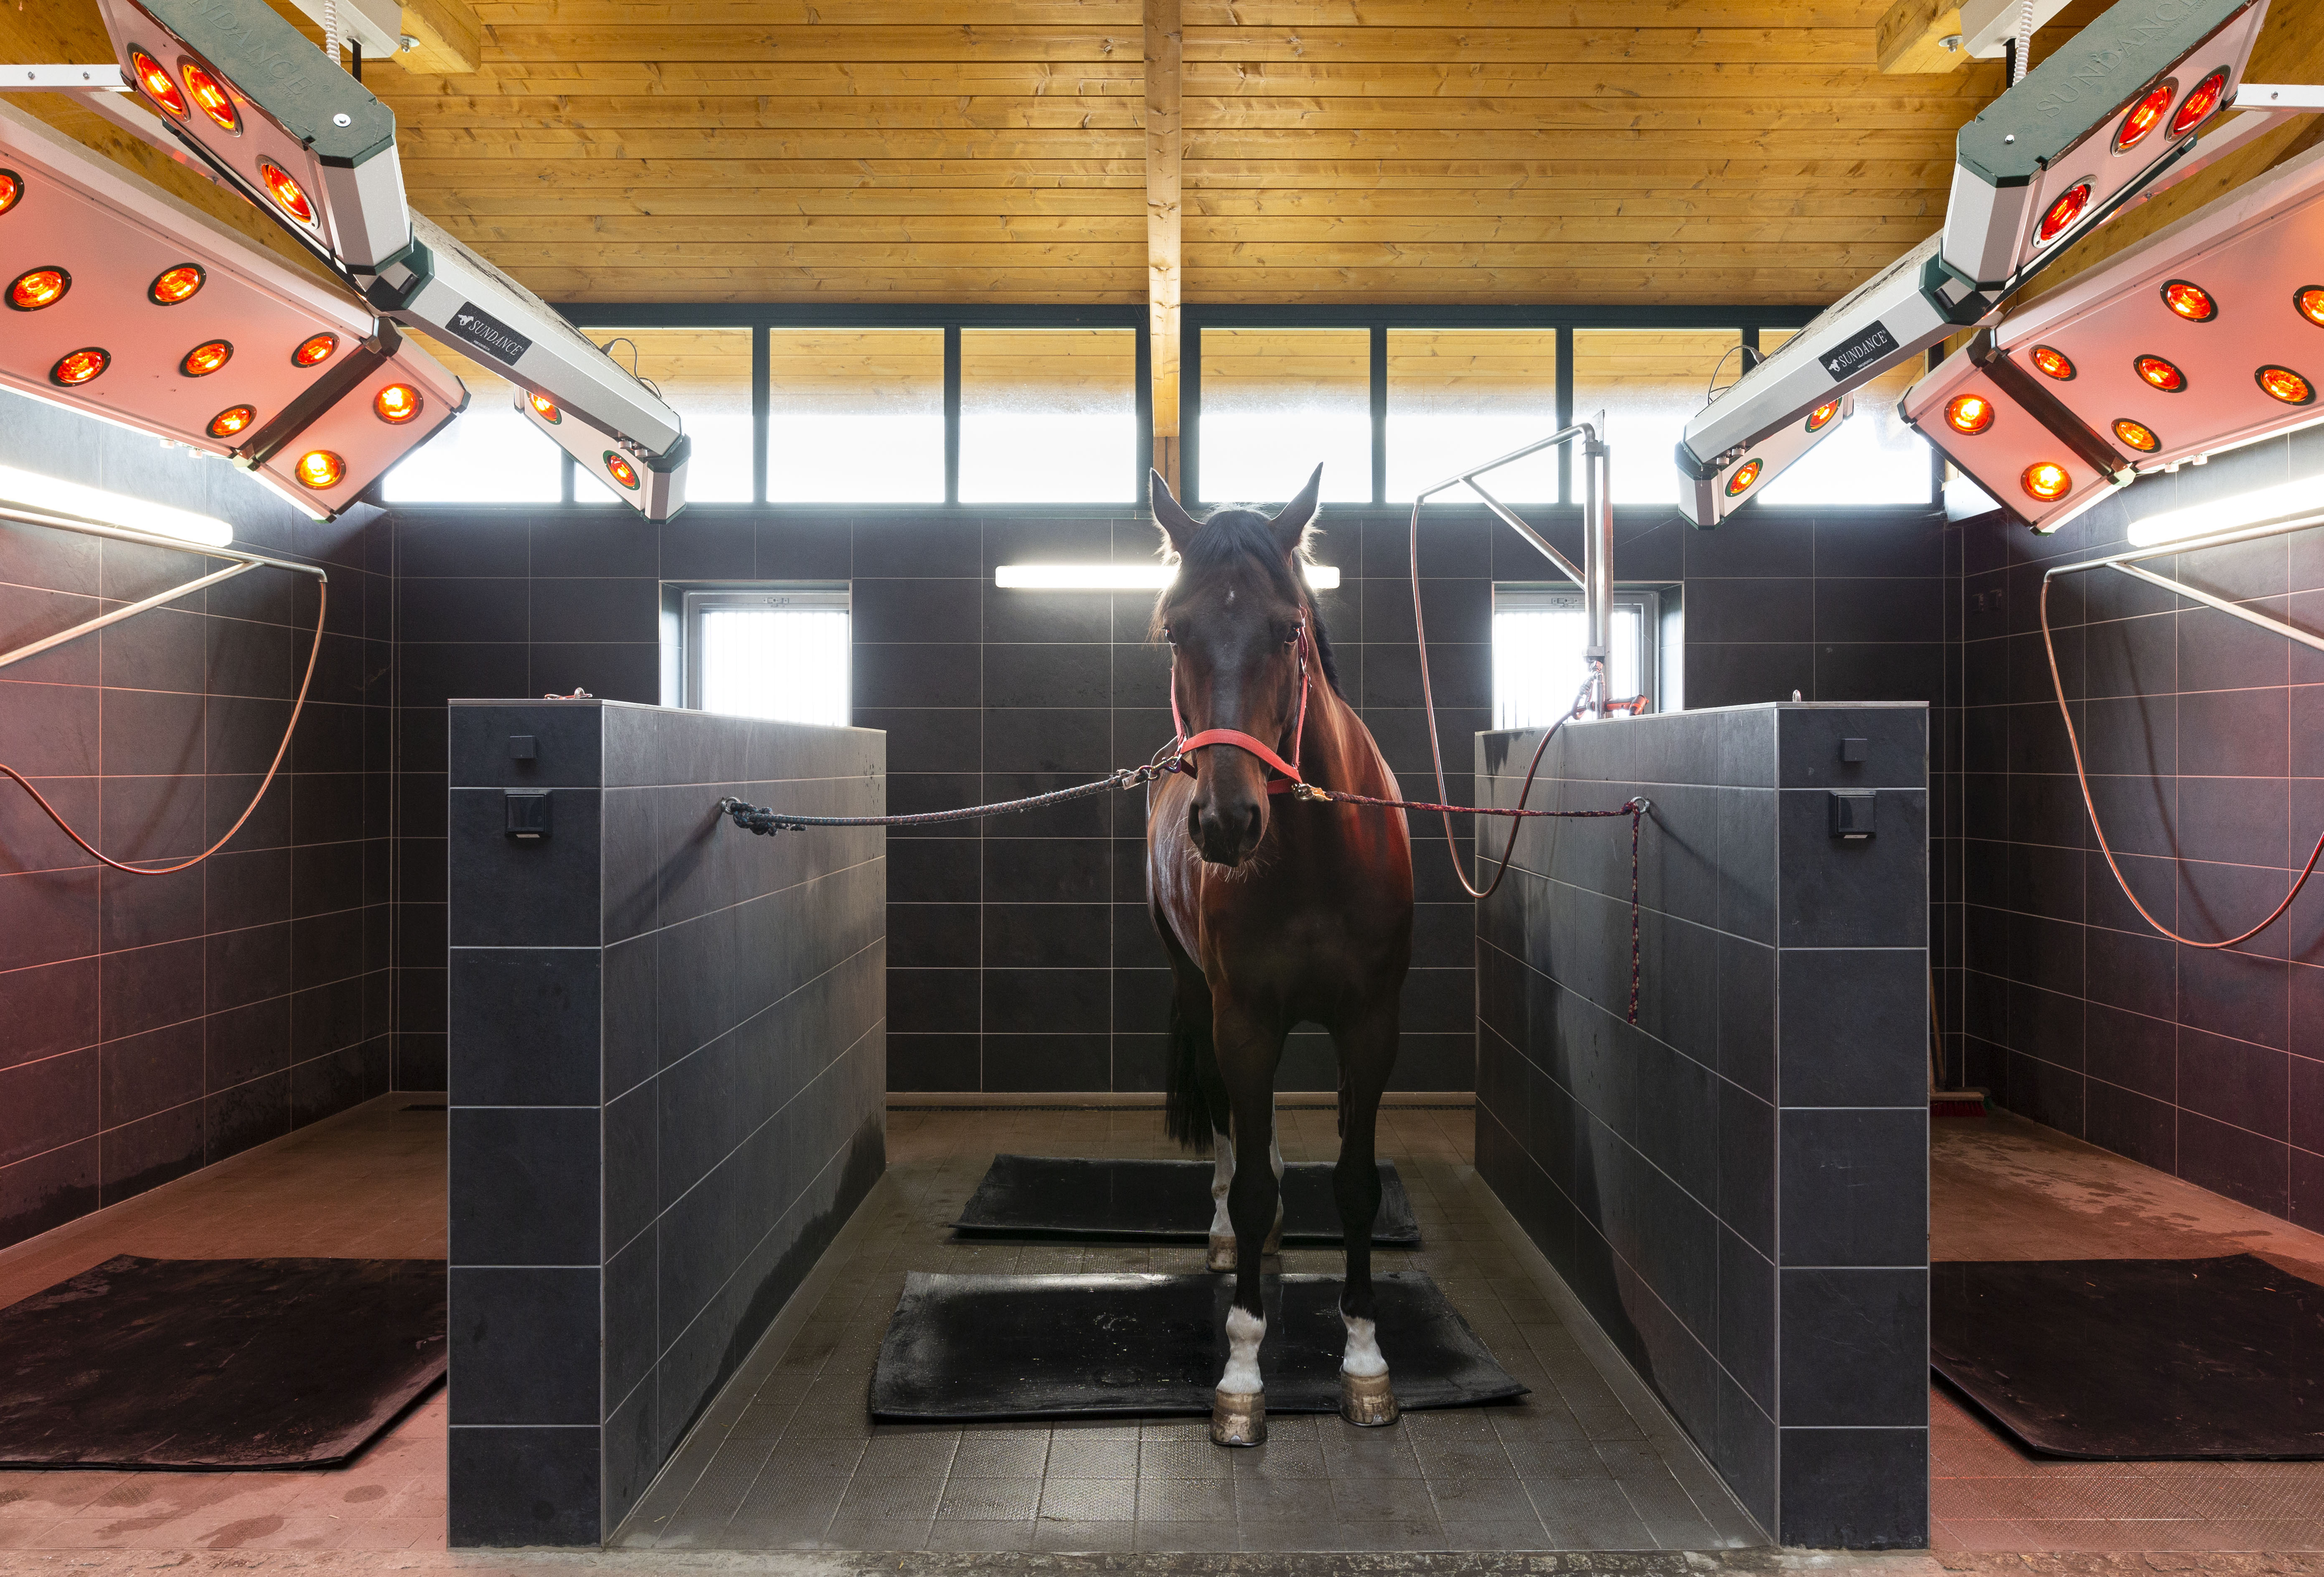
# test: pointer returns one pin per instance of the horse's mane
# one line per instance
(1231, 534)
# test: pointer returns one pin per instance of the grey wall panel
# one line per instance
(1737, 1184)
(668, 1055)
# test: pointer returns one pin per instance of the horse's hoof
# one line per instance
(1366, 1400)
(1238, 1419)
(1222, 1254)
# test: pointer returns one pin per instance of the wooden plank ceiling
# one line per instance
(1538, 151)
(1333, 151)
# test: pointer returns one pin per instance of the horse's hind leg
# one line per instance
(1221, 1255)
(1249, 1051)
(1367, 1049)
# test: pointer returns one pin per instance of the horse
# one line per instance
(1274, 911)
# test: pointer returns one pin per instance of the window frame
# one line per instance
(763, 317)
(1559, 594)
(683, 607)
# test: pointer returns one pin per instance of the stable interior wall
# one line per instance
(1735, 1184)
(667, 1076)
(158, 1024)
(2205, 739)
(1023, 958)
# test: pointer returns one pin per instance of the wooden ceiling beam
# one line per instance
(447, 40)
(1164, 145)
(1910, 38)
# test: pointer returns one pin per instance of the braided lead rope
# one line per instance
(759, 818)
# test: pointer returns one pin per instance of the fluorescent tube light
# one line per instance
(2281, 504)
(55, 496)
(1120, 577)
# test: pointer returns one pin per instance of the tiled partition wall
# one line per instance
(2205, 737)
(150, 1024)
(667, 1076)
(1023, 958)
(1736, 1187)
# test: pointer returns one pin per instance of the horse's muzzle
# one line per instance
(1226, 833)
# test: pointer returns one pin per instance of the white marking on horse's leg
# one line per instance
(1245, 1331)
(1362, 1357)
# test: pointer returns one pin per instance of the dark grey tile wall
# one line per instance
(1736, 1186)
(1023, 957)
(2202, 735)
(668, 1074)
(155, 1024)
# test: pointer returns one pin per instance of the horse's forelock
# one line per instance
(1232, 536)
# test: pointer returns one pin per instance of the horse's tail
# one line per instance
(1186, 1102)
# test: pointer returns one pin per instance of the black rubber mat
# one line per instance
(1042, 1196)
(963, 1347)
(2136, 1359)
(217, 1363)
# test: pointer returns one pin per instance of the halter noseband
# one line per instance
(1286, 776)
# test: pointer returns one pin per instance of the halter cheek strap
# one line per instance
(1287, 772)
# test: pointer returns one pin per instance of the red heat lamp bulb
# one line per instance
(2047, 481)
(1969, 413)
(174, 285)
(211, 97)
(158, 84)
(2199, 104)
(2063, 213)
(2160, 374)
(36, 288)
(78, 366)
(2144, 117)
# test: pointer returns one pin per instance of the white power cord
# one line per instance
(2025, 42)
(331, 28)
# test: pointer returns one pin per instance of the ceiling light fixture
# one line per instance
(1121, 576)
(54, 495)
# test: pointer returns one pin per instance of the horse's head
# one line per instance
(1233, 619)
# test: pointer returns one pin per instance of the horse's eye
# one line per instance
(1291, 636)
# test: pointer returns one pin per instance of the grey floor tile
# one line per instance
(1556, 1459)
(1496, 1534)
(846, 1532)
(1587, 1513)
(1280, 1459)
(1216, 1535)
(967, 1499)
(1382, 1499)
(1002, 1454)
(891, 1497)
(1184, 1500)
(980, 1536)
(1185, 1458)
(1089, 1500)
(1078, 1456)
(1092, 1538)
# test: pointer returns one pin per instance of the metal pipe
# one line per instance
(2246, 614)
(88, 626)
(1540, 543)
(1598, 551)
(1563, 436)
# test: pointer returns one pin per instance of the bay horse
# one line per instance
(1274, 911)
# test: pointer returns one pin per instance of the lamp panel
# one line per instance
(398, 402)
(248, 95)
(2184, 334)
(197, 336)
(1984, 429)
(2088, 129)
(1745, 477)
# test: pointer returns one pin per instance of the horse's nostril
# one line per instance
(1194, 822)
(1254, 829)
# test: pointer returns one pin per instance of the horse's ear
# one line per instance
(1290, 527)
(1170, 515)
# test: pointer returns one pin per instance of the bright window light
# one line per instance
(1278, 401)
(55, 496)
(1647, 381)
(855, 416)
(1460, 396)
(774, 651)
(705, 375)
(1048, 415)
(1537, 662)
(2284, 501)
(1121, 576)
(1873, 457)
(488, 455)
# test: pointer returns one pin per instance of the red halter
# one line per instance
(1288, 778)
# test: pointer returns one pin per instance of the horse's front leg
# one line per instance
(1367, 1049)
(1249, 1050)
